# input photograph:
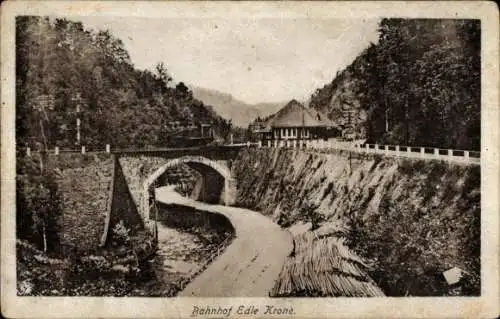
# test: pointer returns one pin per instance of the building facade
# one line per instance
(294, 125)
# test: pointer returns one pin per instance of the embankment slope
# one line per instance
(410, 219)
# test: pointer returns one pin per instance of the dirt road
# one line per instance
(253, 261)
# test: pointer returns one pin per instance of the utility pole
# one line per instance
(78, 131)
(77, 99)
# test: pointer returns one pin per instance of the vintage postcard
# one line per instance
(249, 159)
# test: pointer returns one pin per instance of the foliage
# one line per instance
(38, 203)
(428, 240)
(419, 85)
(77, 67)
(103, 274)
(121, 233)
(309, 213)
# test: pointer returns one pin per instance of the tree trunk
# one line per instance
(386, 119)
(44, 234)
(41, 162)
(156, 225)
(407, 120)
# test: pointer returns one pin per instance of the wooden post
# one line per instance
(78, 131)
(466, 155)
(28, 151)
(260, 143)
(83, 149)
(450, 152)
(56, 150)
(408, 151)
(108, 148)
(422, 152)
(397, 150)
(367, 147)
(436, 151)
(376, 148)
(386, 149)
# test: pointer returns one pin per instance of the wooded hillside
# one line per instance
(62, 66)
(419, 85)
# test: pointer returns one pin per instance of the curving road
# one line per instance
(253, 261)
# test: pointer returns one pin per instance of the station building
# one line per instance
(296, 126)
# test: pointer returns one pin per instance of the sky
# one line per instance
(255, 60)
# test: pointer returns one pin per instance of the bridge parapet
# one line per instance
(222, 152)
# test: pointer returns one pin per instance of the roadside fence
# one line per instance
(387, 150)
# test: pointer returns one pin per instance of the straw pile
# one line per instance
(324, 267)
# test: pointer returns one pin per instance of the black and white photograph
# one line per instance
(286, 158)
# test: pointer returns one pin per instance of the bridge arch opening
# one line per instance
(214, 185)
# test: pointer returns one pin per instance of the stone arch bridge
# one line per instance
(214, 164)
(209, 170)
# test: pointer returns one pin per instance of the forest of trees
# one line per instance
(60, 66)
(419, 85)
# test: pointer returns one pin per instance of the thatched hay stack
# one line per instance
(324, 267)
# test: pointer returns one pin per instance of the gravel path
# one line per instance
(250, 265)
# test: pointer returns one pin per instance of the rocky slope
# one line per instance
(410, 220)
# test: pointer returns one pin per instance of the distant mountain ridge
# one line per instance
(229, 107)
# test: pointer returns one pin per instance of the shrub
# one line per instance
(309, 213)
(121, 233)
(39, 205)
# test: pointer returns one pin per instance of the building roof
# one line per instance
(295, 114)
